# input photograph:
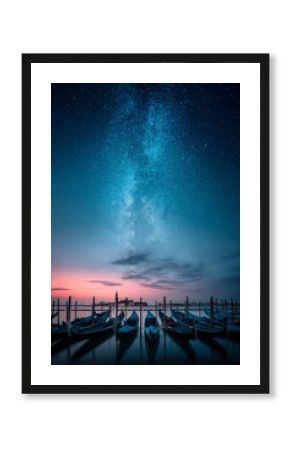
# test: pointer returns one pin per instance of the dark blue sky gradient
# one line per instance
(146, 187)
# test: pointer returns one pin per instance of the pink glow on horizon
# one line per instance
(79, 286)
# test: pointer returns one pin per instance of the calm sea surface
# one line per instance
(170, 349)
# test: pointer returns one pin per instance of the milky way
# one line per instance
(145, 187)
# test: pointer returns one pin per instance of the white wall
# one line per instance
(220, 422)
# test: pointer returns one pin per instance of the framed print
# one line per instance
(145, 223)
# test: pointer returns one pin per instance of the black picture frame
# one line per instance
(27, 61)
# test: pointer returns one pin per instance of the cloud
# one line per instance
(132, 259)
(170, 282)
(154, 271)
(165, 273)
(106, 282)
(60, 289)
(156, 285)
(193, 273)
(135, 276)
(175, 269)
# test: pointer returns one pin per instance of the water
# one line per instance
(170, 349)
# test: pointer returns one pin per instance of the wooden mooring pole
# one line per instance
(164, 303)
(52, 312)
(211, 308)
(141, 306)
(58, 311)
(68, 310)
(186, 308)
(117, 303)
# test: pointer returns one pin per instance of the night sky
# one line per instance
(146, 190)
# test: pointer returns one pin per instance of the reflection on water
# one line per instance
(135, 349)
(123, 345)
(151, 349)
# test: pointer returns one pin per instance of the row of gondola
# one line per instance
(179, 323)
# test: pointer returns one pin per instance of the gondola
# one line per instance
(208, 328)
(151, 327)
(199, 324)
(183, 318)
(174, 326)
(65, 330)
(92, 319)
(129, 326)
(177, 315)
(80, 331)
(223, 316)
(215, 324)
(60, 331)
